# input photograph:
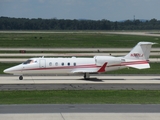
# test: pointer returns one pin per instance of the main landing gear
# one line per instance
(20, 77)
(86, 76)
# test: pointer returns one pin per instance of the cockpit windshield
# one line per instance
(29, 62)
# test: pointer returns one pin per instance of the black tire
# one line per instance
(85, 76)
(20, 77)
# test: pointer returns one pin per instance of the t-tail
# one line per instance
(138, 57)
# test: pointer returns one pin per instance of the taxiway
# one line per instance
(80, 112)
(70, 79)
(76, 82)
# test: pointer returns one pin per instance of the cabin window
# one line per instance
(56, 64)
(74, 64)
(123, 60)
(62, 64)
(68, 64)
(50, 64)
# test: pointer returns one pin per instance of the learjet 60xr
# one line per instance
(136, 58)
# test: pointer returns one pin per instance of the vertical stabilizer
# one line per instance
(139, 55)
(140, 52)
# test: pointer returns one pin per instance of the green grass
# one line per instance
(81, 97)
(5, 66)
(74, 40)
(64, 51)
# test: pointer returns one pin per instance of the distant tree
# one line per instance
(7, 23)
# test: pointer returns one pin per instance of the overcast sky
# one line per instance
(113, 10)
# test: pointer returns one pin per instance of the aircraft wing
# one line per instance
(90, 70)
(84, 71)
(102, 69)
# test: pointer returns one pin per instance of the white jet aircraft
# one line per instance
(136, 58)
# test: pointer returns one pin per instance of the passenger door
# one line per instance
(42, 63)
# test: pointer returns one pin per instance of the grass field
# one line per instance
(79, 40)
(72, 40)
(81, 97)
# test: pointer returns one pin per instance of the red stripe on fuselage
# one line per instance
(91, 66)
(66, 67)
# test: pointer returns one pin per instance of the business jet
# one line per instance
(136, 58)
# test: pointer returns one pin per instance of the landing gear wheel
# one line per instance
(20, 77)
(86, 76)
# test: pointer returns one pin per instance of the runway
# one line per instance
(76, 82)
(145, 33)
(80, 112)
(80, 108)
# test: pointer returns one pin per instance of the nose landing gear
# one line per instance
(20, 77)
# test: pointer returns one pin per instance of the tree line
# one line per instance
(7, 23)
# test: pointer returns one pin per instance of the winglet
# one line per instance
(102, 69)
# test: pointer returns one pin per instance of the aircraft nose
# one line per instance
(7, 70)
(13, 70)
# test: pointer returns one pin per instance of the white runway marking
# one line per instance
(82, 116)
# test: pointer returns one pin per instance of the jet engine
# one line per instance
(110, 60)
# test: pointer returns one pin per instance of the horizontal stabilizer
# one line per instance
(139, 66)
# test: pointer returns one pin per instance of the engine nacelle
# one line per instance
(100, 60)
